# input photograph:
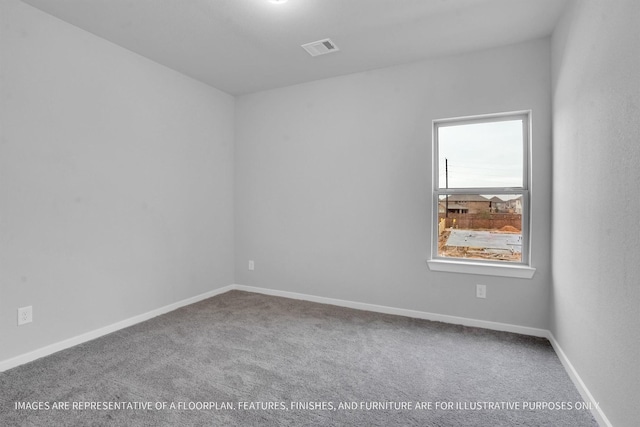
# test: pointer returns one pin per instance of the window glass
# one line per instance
(487, 154)
(481, 189)
(480, 227)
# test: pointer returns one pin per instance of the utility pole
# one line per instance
(446, 180)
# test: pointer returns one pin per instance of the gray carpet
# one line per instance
(293, 363)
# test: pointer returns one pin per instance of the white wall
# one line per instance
(596, 208)
(333, 183)
(116, 180)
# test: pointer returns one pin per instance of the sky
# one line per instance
(481, 154)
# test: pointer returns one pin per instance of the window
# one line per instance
(481, 195)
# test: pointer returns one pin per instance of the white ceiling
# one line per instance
(244, 46)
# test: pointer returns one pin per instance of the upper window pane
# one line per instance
(481, 154)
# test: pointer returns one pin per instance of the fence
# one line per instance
(480, 221)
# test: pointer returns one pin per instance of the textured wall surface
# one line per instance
(596, 158)
(116, 182)
(333, 183)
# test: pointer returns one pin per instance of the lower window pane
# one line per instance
(474, 226)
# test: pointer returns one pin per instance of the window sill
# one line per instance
(467, 267)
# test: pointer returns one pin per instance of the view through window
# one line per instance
(481, 188)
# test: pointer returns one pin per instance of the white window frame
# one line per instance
(522, 269)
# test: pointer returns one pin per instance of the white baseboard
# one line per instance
(597, 412)
(496, 326)
(88, 336)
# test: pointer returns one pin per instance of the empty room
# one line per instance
(319, 212)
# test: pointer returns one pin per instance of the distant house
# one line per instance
(514, 205)
(466, 203)
(453, 208)
(497, 204)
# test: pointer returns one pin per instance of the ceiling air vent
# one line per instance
(320, 47)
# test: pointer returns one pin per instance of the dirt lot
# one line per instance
(478, 253)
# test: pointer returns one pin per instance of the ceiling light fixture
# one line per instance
(277, 1)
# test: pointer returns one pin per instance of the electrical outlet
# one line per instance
(25, 315)
(481, 291)
(252, 265)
